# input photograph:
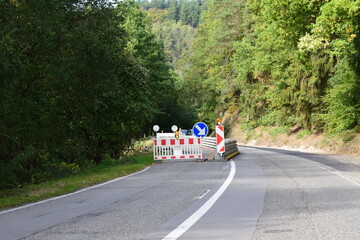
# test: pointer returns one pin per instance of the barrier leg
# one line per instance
(218, 156)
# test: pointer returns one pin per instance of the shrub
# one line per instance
(279, 130)
(303, 133)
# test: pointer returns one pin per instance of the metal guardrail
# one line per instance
(209, 142)
(230, 146)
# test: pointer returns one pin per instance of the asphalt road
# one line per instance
(261, 194)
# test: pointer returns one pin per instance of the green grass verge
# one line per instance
(101, 173)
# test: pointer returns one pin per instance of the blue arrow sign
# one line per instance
(200, 129)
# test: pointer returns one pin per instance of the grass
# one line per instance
(101, 173)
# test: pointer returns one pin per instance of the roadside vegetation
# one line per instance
(107, 170)
(271, 65)
(344, 142)
(79, 81)
(277, 63)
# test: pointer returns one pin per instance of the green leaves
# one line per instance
(279, 62)
(79, 79)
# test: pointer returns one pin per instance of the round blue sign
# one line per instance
(200, 129)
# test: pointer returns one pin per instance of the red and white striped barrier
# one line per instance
(182, 148)
(220, 139)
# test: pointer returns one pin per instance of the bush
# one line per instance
(357, 129)
(279, 130)
(348, 136)
(303, 133)
(54, 170)
(250, 134)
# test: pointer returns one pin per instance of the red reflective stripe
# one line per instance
(199, 140)
(163, 158)
(222, 149)
(219, 139)
(163, 142)
(182, 156)
(172, 141)
(156, 158)
(191, 141)
(182, 141)
(191, 157)
(155, 142)
(172, 157)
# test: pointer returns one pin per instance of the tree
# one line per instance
(79, 80)
(276, 62)
(173, 10)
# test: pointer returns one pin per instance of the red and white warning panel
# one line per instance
(182, 148)
(220, 139)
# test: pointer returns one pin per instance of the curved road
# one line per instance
(261, 194)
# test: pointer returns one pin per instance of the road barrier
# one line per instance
(230, 146)
(171, 148)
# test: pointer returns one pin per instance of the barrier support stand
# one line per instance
(218, 156)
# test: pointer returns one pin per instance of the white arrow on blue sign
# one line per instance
(200, 129)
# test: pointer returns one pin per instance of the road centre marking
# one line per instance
(188, 223)
(203, 194)
(70, 194)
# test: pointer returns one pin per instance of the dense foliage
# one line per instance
(176, 33)
(174, 23)
(188, 12)
(277, 62)
(79, 79)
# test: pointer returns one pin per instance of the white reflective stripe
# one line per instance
(220, 147)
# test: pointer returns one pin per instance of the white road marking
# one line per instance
(328, 169)
(203, 194)
(188, 223)
(70, 194)
(339, 174)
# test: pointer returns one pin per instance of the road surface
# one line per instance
(260, 194)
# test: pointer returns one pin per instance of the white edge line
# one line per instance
(321, 165)
(330, 169)
(339, 174)
(188, 223)
(70, 194)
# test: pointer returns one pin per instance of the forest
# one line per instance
(277, 63)
(81, 79)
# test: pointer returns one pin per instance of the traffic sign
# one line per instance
(156, 128)
(220, 139)
(200, 129)
(174, 128)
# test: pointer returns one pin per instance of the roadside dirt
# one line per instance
(346, 147)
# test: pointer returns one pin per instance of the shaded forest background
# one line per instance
(80, 79)
(277, 63)
(269, 63)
